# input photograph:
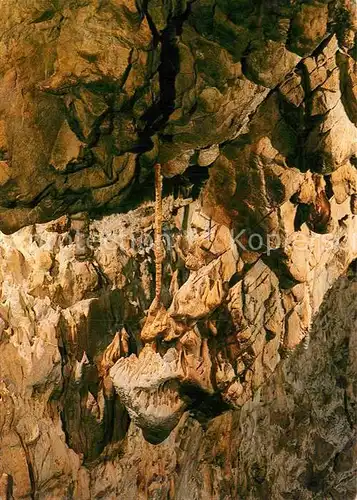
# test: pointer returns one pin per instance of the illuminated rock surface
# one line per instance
(241, 383)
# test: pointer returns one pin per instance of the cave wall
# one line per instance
(295, 439)
(245, 376)
(64, 432)
(274, 362)
(93, 93)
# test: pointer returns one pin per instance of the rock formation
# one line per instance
(219, 363)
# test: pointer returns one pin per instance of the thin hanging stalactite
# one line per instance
(148, 334)
(158, 231)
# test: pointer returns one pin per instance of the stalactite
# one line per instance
(158, 230)
(149, 331)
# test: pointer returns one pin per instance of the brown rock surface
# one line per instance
(83, 84)
(239, 380)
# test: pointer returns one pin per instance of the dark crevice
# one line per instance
(236, 278)
(301, 216)
(304, 128)
(347, 412)
(48, 191)
(187, 185)
(157, 116)
(342, 64)
(104, 283)
(328, 188)
(142, 6)
(29, 467)
(198, 176)
(352, 270)
(322, 45)
(276, 261)
(202, 406)
(10, 488)
(73, 122)
(302, 120)
(45, 16)
(243, 61)
(64, 429)
(108, 421)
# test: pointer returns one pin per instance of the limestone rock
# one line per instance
(202, 293)
(178, 165)
(253, 332)
(270, 64)
(344, 182)
(256, 307)
(146, 385)
(349, 84)
(308, 26)
(207, 156)
(292, 89)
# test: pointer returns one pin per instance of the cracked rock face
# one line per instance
(92, 94)
(77, 372)
(240, 381)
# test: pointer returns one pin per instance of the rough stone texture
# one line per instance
(295, 439)
(67, 327)
(93, 93)
(243, 375)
